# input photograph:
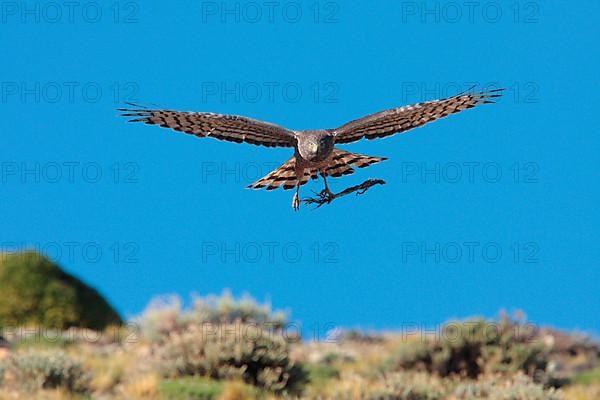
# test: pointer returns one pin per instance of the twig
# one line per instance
(326, 198)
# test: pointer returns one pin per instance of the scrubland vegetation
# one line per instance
(219, 347)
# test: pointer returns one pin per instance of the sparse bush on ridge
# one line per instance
(262, 361)
(472, 348)
(353, 335)
(166, 315)
(570, 354)
(519, 387)
(411, 385)
(222, 338)
(35, 370)
(403, 386)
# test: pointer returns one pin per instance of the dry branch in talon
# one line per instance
(314, 150)
(325, 198)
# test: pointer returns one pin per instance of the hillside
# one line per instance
(37, 292)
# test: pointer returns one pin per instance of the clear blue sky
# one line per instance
(164, 199)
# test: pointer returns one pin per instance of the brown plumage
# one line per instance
(339, 164)
(314, 149)
(232, 128)
(402, 119)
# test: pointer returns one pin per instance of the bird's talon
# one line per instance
(296, 202)
(326, 195)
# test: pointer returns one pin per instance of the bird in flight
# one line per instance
(314, 150)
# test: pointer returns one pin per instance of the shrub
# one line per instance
(320, 374)
(222, 338)
(166, 315)
(520, 387)
(570, 355)
(404, 386)
(471, 348)
(262, 361)
(35, 291)
(30, 371)
(354, 335)
(392, 386)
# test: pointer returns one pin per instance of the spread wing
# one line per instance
(402, 119)
(232, 128)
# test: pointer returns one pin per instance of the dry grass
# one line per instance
(236, 390)
(582, 392)
(108, 370)
(143, 387)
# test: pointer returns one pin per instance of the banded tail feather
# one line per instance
(339, 164)
(284, 176)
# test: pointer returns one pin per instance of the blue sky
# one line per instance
(139, 211)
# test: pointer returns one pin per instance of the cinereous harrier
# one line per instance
(314, 150)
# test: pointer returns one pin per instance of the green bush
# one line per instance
(190, 388)
(471, 348)
(320, 374)
(588, 377)
(35, 291)
(35, 370)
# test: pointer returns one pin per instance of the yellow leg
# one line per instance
(326, 190)
(296, 199)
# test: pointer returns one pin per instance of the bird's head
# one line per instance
(315, 147)
(312, 146)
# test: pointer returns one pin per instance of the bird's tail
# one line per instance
(340, 163)
(284, 176)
